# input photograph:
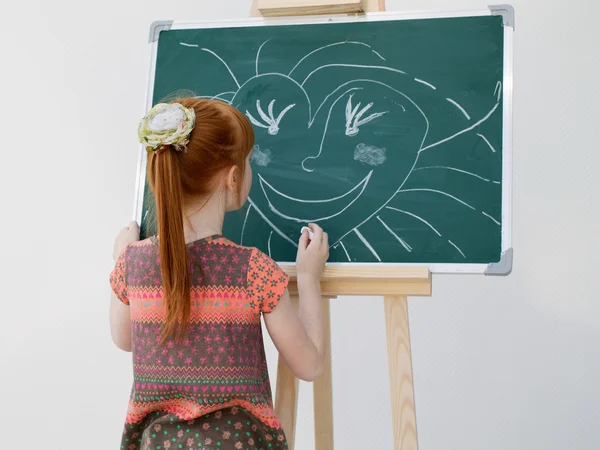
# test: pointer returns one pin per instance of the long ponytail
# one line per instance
(222, 138)
(174, 266)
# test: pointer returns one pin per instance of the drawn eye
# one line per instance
(270, 122)
(353, 117)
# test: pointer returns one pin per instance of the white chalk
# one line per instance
(310, 232)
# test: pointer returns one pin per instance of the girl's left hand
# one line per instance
(126, 236)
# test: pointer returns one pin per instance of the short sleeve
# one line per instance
(118, 278)
(266, 282)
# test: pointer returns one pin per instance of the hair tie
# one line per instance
(167, 125)
(161, 150)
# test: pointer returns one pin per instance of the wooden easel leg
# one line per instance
(322, 392)
(400, 368)
(286, 395)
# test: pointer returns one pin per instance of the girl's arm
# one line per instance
(300, 336)
(120, 322)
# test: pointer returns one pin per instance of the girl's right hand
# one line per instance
(312, 254)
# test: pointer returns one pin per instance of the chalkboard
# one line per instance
(392, 133)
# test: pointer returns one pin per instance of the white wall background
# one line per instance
(508, 363)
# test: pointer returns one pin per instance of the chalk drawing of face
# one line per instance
(341, 156)
(336, 143)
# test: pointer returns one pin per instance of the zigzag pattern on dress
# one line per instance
(206, 373)
(243, 317)
(202, 293)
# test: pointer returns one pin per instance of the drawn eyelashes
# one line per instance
(353, 117)
(271, 123)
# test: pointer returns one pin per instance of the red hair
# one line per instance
(222, 138)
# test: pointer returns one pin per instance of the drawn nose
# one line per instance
(313, 161)
(309, 164)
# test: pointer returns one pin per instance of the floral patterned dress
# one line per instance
(211, 390)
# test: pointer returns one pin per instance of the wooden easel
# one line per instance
(395, 284)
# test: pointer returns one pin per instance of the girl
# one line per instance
(187, 303)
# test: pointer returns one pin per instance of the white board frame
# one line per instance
(504, 267)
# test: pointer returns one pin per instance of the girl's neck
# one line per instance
(203, 218)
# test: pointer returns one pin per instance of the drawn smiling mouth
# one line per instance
(319, 209)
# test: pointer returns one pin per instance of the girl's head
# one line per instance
(215, 158)
(212, 160)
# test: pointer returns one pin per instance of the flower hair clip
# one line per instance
(167, 124)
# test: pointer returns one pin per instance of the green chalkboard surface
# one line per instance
(388, 133)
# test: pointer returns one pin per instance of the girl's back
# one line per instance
(220, 365)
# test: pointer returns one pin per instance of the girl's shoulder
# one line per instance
(251, 255)
(140, 246)
(139, 249)
(143, 243)
(232, 246)
(251, 252)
